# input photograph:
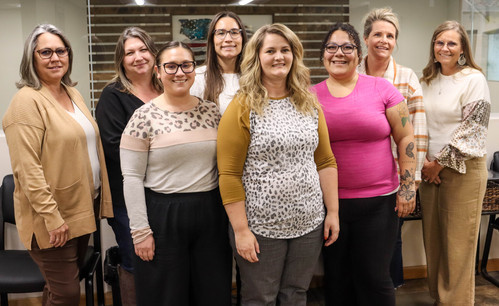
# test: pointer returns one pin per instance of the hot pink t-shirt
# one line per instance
(359, 133)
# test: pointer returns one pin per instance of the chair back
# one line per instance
(6, 206)
(494, 166)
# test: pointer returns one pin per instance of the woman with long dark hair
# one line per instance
(218, 79)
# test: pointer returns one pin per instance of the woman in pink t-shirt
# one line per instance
(361, 113)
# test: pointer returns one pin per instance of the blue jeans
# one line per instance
(121, 228)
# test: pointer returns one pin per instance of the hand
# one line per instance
(406, 200)
(331, 228)
(59, 236)
(145, 249)
(247, 245)
(430, 172)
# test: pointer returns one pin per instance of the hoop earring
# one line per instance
(462, 60)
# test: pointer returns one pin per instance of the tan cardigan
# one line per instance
(51, 166)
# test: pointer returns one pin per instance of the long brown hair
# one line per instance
(119, 54)
(214, 80)
(433, 67)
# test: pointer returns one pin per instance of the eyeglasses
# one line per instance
(221, 33)
(347, 48)
(440, 44)
(172, 68)
(47, 53)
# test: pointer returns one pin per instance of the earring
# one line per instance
(462, 60)
(435, 60)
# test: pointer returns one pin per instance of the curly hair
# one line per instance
(252, 92)
(352, 33)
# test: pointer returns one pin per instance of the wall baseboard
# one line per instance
(412, 272)
(415, 272)
(37, 301)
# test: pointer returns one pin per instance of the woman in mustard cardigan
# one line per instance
(58, 164)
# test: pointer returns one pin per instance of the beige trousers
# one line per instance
(451, 219)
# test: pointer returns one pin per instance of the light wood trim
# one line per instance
(415, 272)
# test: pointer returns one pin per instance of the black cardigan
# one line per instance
(112, 113)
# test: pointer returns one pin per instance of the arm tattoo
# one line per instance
(404, 115)
(407, 180)
(409, 150)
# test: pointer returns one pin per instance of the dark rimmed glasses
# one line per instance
(221, 33)
(47, 52)
(172, 68)
(347, 48)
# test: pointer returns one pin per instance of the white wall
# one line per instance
(19, 17)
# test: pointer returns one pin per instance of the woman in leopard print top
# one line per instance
(278, 176)
(177, 221)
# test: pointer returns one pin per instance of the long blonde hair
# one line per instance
(254, 95)
(433, 67)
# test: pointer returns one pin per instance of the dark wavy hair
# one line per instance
(171, 45)
(352, 33)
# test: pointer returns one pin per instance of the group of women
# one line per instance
(175, 163)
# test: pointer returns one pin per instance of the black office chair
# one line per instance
(20, 274)
(111, 264)
(491, 207)
(93, 267)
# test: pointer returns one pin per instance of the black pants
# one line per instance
(193, 259)
(357, 265)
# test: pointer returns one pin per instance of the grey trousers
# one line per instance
(284, 270)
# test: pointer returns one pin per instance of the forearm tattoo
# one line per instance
(409, 150)
(403, 113)
(406, 182)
